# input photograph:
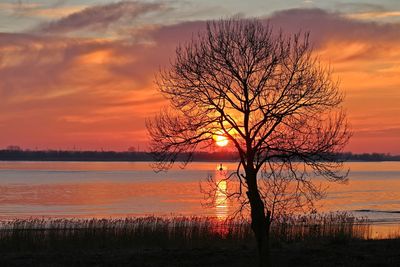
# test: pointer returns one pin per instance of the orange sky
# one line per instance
(85, 81)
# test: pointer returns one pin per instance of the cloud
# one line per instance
(358, 7)
(389, 132)
(365, 56)
(324, 25)
(365, 11)
(53, 10)
(18, 7)
(373, 15)
(95, 92)
(349, 45)
(99, 17)
(58, 86)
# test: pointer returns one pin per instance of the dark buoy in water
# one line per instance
(220, 167)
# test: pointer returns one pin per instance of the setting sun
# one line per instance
(221, 140)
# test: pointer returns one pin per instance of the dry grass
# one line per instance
(141, 232)
(330, 226)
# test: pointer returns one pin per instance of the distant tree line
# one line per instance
(12, 154)
(65, 155)
(370, 157)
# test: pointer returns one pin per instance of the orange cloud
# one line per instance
(92, 93)
(373, 15)
(365, 57)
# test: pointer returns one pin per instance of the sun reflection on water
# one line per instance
(221, 201)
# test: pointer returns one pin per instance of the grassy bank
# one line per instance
(35, 234)
(187, 241)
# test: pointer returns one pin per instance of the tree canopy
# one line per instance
(270, 96)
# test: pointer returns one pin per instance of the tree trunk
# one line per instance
(260, 223)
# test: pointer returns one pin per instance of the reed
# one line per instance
(141, 232)
(338, 226)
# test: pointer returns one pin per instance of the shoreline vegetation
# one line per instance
(178, 230)
(313, 240)
(15, 153)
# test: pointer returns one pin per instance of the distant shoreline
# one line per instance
(94, 160)
(141, 156)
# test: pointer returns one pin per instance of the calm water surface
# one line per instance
(115, 189)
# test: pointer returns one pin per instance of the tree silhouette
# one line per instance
(273, 100)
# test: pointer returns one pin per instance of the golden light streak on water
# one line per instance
(221, 201)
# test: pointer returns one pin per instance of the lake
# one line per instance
(118, 189)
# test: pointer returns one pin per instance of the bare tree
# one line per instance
(273, 100)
